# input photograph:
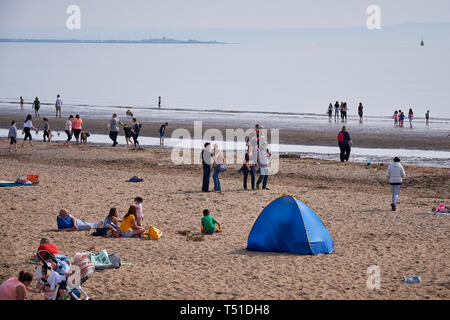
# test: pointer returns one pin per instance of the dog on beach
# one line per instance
(84, 136)
(129, 113)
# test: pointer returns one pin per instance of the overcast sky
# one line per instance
(30, 17)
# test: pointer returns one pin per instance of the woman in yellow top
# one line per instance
(128, 227)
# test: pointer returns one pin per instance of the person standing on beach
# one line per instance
(206, 164)
(217, 164)
(127, 133)
(336, 111)
(27, 126)
(401, 118)
(248, 166)
(427, 118)
(345, 144)
(395, 117)
(410, 117)
(159, 102)
(395, 173)
(344, 112)
(21, 103)
(58, 105)
(113, 127)
(77, 127)
(12, 136)
(69, 131)
(135, 128)
(36, 106)
(162, 134)
(46, 129)
(263, 164)
(330, 112)
(360, 112)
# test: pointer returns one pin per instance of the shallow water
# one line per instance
(408, 156)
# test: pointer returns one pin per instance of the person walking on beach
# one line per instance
(12, 136)
(218, 166)
(21, 103)
(58, 105)
(27, 126)
(36, 106)
(263, 164)
(360, 112)
(69, 131)
(336, 111)
(248, 166)
(162, 134)
(77, 127)
(330, 112)
(395, 173)
(113, 127)
(46, 129)
(135, 128)
(344, 112)
(395, 117)
(427, 118)
(127, 133)
(159, 102)
(410, 117)
(345, 144)
(206, 164)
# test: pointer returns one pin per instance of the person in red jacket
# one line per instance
(62, 260)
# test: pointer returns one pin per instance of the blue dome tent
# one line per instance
(287, 224)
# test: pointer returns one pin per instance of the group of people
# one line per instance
(342, 109)
(36, 105)
(399, 118)
(256, 159)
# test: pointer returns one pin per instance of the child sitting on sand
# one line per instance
(208, 223)
(139, 215)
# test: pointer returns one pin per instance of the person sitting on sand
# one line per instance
(441, 209)
(112, 218)
(208, 223)
(128, 227)
(139, 215)
(67, 222)
(16, 288)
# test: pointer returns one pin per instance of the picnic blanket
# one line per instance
(441, 213)
(14, 184)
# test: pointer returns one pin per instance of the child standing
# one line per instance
(395, 117)
(12, 136)
(127, 133)
(46, 129)
(208, 223)
(139, 215)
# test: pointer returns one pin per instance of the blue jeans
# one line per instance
(216, 178)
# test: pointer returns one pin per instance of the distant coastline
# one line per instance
(163, 40)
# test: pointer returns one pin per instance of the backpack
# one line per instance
(341, 136)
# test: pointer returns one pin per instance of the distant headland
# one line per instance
(162, 40)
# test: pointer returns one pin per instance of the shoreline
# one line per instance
(288, 136)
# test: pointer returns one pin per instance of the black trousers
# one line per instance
(46, 135)
(76, 133)
(345, 152)
(245, 171)
(135, 139)
(206, 178)
(113, 136)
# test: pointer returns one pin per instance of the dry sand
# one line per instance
(351, 199)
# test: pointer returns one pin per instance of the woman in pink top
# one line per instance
(16, 288)
(77, 122)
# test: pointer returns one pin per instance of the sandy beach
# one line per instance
(352, 199)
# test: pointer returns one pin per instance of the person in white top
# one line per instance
(69, 131)
(27, 126)
(395, 173)
(58, 105)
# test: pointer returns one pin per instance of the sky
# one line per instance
(48, 18)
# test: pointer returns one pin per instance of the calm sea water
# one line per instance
(270, 78)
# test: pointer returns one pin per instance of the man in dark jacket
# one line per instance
(206, 163)
(345, 143)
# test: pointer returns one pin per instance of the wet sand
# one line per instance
(352, 200)
(299, 137)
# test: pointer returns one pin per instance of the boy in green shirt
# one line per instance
(208, 223)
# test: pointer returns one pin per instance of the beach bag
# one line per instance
(115, 261)
(100, 232)
(222, 167)
(100, 260)
(154, 233)
(33, 178)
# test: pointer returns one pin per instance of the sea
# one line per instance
(285, 86)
